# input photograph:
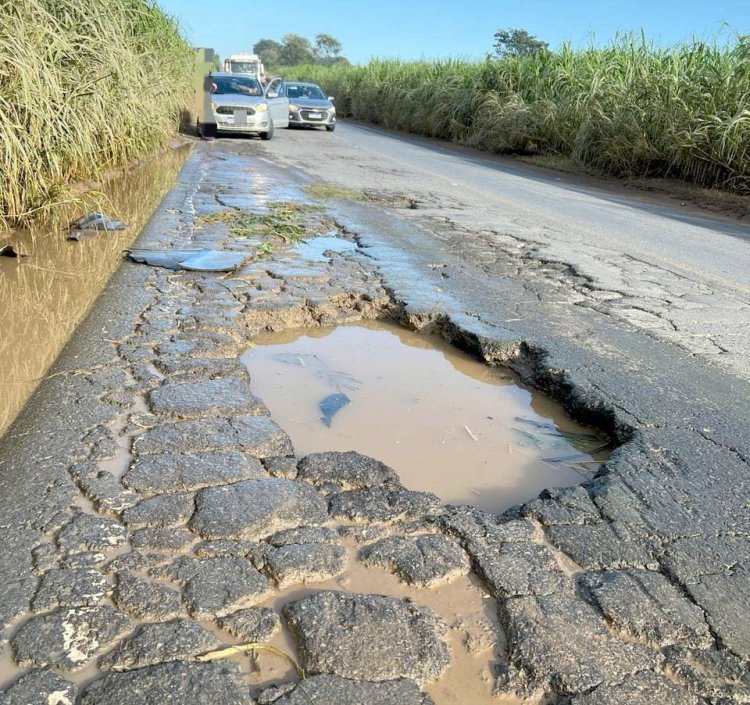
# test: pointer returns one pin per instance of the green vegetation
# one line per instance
(288, 221)
(85, 86)
(294, 50)
(629, 110)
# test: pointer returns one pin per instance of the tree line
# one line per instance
(295, 50)
(325, 50)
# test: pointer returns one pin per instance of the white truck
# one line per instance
(246, 63)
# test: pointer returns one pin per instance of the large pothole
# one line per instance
(445, 422)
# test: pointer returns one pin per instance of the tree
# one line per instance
(268, 50)
(517, 42)
(295, 50)
(327, 47)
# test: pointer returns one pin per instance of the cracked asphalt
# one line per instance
(153, 511)
(671, 271)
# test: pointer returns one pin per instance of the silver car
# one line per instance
(308, 105)
(240, 104)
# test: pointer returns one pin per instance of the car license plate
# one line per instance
(240, 117)
(314, 116)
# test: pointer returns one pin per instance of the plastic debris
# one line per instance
(330, 406)
(547, 428)
(337, 379)
(191, 260)
(97, 221)
(214, 261)
(9, 251)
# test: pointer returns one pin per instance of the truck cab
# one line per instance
(249, 64)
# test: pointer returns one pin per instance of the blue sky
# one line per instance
(412, 29)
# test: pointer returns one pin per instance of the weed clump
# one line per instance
(288, 221)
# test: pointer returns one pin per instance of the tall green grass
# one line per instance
(631, 109)
(85, 85)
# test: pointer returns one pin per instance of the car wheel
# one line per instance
(330, 128)
(267, 135)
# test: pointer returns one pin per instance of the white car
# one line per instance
(240, 104)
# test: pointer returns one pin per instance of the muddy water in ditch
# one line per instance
(445, 422)
(44, 296)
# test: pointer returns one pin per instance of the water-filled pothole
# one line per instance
(314, 249)
(443, 421)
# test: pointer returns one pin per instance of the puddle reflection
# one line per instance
(445, 422)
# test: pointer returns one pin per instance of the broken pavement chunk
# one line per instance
(368, 636)
(424, 560)
(256, 508)
(170, 684)
(68, 638)
(190, 260)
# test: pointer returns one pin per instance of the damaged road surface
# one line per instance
(155, 514)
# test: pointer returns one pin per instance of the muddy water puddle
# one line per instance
(474, 635)
(443, 421)
(44, 296)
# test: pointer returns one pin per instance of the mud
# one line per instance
(475, 637)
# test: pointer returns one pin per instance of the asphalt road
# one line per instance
(674, 272)
(707, 249)
(600, 589)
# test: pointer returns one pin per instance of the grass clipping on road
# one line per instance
(630, 109)
(287, 221)
(85, 86)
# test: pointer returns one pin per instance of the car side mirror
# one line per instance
(331, 98)
(272, 94)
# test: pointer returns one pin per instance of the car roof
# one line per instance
(303, 83)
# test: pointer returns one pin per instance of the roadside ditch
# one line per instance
(47, 290)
